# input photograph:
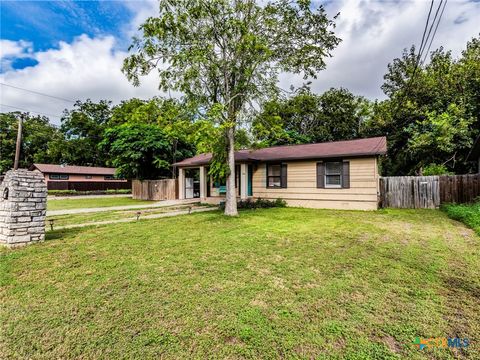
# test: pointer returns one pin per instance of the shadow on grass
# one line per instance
(62, 233)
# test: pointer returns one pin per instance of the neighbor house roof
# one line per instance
(347, 148)
(475, 151)
(71, 169)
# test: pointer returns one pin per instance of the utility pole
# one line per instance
(19, 142)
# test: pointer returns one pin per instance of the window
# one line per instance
(333, 174)
(109, 177)
(58, 177)
(276, 175)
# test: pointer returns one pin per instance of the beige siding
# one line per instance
(302, 186)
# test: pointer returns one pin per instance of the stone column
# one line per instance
(243, 180)
(23, 205)
(181, 183)
(203, 182)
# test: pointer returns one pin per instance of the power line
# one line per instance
(35, 112)
(431, 27)
(435, 31)
(421, 44)
(417, 60)
(38, 93)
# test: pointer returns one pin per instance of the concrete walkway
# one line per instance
(153, 216)
(73, 197)
(158, 204)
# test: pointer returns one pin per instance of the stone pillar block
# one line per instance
(23, 207)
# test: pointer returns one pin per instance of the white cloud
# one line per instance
(10, 50)
(373, 33)
(142, 11)
(86, 68)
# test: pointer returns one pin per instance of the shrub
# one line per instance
(119, 191)
(261, 203)
(435, 169)
(256, 204)
(95, 192)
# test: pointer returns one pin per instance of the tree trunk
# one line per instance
(231, 197)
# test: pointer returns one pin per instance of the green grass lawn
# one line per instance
(274, 283)
(67, 204)
(466, 213)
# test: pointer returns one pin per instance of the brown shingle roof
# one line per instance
(69, 169)
(347, 148)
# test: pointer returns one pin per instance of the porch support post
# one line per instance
(181, 183)
(243, 180)
(203, 182)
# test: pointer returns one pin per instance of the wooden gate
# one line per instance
(410, 192)
(155, 189)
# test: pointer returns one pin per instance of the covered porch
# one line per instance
(195, 183)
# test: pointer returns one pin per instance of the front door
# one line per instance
(192, 183)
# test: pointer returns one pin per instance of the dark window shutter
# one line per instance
(266, 175)
(346, 175)
(320, 175)
(283, 179)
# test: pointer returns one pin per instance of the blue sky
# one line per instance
(75, 49)
(46, 23)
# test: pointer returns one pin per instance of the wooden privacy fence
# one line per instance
(166, 189)
(459, 188)
(417, 192)
(409, 192)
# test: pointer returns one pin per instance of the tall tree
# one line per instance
(38, 137)
(223, 54)
(306, 117)
(432, 115)
(142, 151)
(8, 132)
(83, 128)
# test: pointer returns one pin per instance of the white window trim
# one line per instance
(274, 176)
(333, 186)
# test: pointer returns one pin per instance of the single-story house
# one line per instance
(474, 154)
(68, 177)
(334, 175)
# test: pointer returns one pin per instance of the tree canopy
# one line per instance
(39, 137)
(306, 117)
(143, 151)
(432, 115)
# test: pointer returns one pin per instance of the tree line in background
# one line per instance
(431, 117)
